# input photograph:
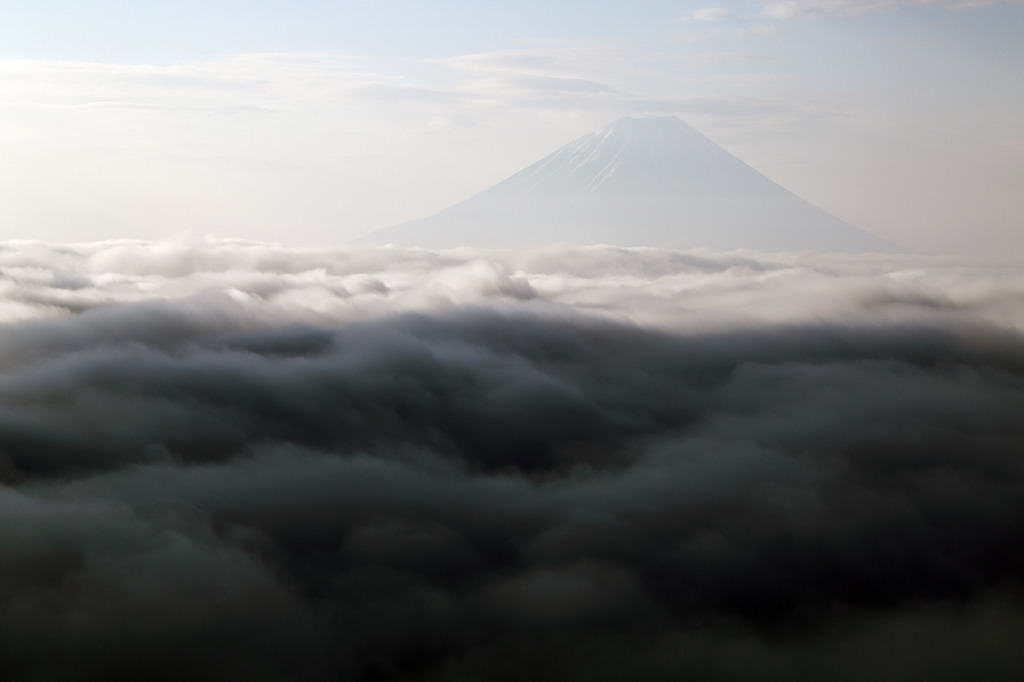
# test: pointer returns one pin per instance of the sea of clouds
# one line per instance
(224, 460)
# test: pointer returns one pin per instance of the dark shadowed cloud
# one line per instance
(235, 461)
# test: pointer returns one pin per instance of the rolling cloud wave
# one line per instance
(237, 461)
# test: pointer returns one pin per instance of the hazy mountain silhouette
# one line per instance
(652, 181)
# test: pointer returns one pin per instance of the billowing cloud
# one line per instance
(227, 460)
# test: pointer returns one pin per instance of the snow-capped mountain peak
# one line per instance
(648, 181)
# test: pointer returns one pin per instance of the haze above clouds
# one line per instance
(318, 125)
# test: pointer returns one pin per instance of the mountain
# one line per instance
(651, 181)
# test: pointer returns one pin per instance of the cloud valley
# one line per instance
(230, 460)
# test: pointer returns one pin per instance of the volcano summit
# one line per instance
(651, 181)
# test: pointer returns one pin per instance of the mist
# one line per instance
(233, 460)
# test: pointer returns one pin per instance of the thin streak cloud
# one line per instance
(785, 9)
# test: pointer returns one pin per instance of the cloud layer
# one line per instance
(237, 461)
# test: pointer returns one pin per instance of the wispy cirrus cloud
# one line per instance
(710, 14)
(785, 9)
(272, 81)
(617, 78)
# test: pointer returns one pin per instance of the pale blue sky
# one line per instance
(163, 31)
(316, 122)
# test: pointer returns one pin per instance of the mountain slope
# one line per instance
(637, 182)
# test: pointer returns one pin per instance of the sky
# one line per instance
(315, 123)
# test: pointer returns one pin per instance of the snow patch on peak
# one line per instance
(650, 154)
